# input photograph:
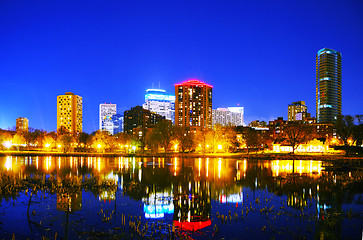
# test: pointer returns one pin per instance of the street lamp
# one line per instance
(176, 147)
(134, 148)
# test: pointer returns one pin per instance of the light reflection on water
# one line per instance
(201, 197)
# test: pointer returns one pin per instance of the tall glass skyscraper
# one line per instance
(328, 85)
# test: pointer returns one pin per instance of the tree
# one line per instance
(164, 131)
(83, 139)
(184, 137)
(205, 138)
(252, 139)
(297, 133)
(153, 139)
(18, 139)
(29, 137)
(102, 140)
(345, 127)
(358, 130)
(122, 139)
(66, 141)
(39, 136)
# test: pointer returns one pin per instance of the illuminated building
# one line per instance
(276, 126)
(118, 123)
(158, 102)
(297, 111)
(139, 117)
(22, 124)
(106, 113)
(328, 85)
(69, 112)
(193, 104)
(232, 116)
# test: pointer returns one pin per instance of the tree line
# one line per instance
(165, 137)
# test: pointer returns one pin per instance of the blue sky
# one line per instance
(258, 54)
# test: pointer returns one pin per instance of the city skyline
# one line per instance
(252, 54)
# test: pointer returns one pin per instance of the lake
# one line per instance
(181, 198)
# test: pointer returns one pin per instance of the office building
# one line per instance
(328, 85)
(107, 110)
(140, 118)
(157, 101)
(22, 124)
(69, 112)
(118, 123)
(297, 111)
(232, 116)
(193, 104)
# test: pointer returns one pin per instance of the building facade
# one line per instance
(140, 118)
(297, 111)
(22, 124)
(328, 85)
(157, 101)
(69, 112)
(193, 104)
(232, 116)
(106, 111)
(118, 123)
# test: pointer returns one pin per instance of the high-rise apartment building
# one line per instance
(193, 104)
(328, 85)
(107, 110)
(69, 112)
(157, 101)
(297, 111)
(22, 124)
(232, 116)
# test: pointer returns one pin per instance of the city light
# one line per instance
(7, 144)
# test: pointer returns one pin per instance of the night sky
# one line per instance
(258, 54)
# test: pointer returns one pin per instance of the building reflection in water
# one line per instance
(69, 201)
(192, 199)
(156, 205)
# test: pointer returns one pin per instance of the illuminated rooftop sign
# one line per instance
(193, 82)
(158, 95)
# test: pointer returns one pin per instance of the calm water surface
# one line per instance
(190, 198)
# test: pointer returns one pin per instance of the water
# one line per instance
(190, 198)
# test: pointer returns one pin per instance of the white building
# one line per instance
(228, 116)
(158, 102)
(106, 113)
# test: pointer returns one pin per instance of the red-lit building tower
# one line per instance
(193, 104)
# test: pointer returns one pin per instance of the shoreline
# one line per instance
(254, 156)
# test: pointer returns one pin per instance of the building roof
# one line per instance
(193, 82)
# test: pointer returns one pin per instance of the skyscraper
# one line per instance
(158, 102)
(328, 85)
(22, 124)
(297, 111)
(69, 112)
(107, 110)
(193, 104)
